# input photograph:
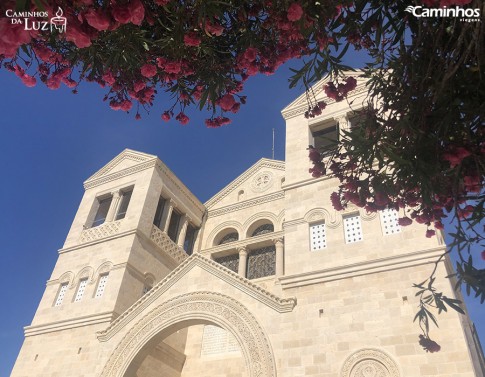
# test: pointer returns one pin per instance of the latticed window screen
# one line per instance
(261, 262)
(230, 261)
(81, 289)
(262, 229)
(318, 238)
(390, 221)
(61, 294)
(103, 279)
(231, 237)
(216, 340)
(352, 229)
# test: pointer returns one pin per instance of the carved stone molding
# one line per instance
(369, 362)
(332, 219)
(101, 231)
(167, 245)
(262, 181)
(197, 307)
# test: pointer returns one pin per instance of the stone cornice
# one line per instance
(262, 163)
(278, 304)
(94, 242)
(246, 204)
(119, 174)
(69, 324)
(244, 242)
(363, 268)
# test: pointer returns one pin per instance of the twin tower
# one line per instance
(265, 279)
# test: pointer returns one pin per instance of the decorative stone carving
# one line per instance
(369, 363)
(101, 231)
(332, 220)
(197, 306)
(262, 181)
(167, 245)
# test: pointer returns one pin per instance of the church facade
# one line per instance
(265, 279)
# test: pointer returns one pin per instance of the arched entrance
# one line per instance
(186, 310)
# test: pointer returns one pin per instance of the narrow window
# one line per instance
(173, 227)
(81, 289)
(190, 236)
(157, 221)
(103, 279)
(61, 294)
(229, 261)
(390, 221)
(326, 139)
(263, 229)
(318, 239)
(125, 200)
(352, 229)
(102, 212)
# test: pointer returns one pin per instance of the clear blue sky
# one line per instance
(51, 141)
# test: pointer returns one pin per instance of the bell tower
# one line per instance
(136, 222)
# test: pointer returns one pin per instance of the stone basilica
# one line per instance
(265, 279)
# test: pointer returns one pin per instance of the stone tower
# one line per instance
(265, 279)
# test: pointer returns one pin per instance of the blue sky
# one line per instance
(51, 141)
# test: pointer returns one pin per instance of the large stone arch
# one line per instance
(192, 308)
(370, 362)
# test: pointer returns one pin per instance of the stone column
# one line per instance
(113, 207)
(280, 257)
(243, 260)
(183, 231)
(167, 214)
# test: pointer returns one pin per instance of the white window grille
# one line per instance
(318, 240)
(352, 229)
(61, 294)
(216, 340)
(81, 289)
(390, 221)
(103, 279)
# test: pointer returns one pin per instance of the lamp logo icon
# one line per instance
(59, 22)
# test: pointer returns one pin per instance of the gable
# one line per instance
(263, 178)
(200, 274)
(128, 159)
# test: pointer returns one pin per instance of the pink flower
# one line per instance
(126, 105)
(53, 82)
(227, 102)
(139, 85)
(405, 221)
(29, 81)
(78, 36)
(192, 39)
(148, 70)
(166, 116)
(430, 233)
(213, 29)
(133, 12)
(250, 54)
(97, 19)
(162, 2)
(173, 67)
(483, 255)
(336, 203)
(11, 37)
(182, 118)
(109, 78)
(294, 12)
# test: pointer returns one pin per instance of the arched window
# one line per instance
(231, 237)
(262, 229)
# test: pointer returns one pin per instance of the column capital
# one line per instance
(242, 250)
(278, 241)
